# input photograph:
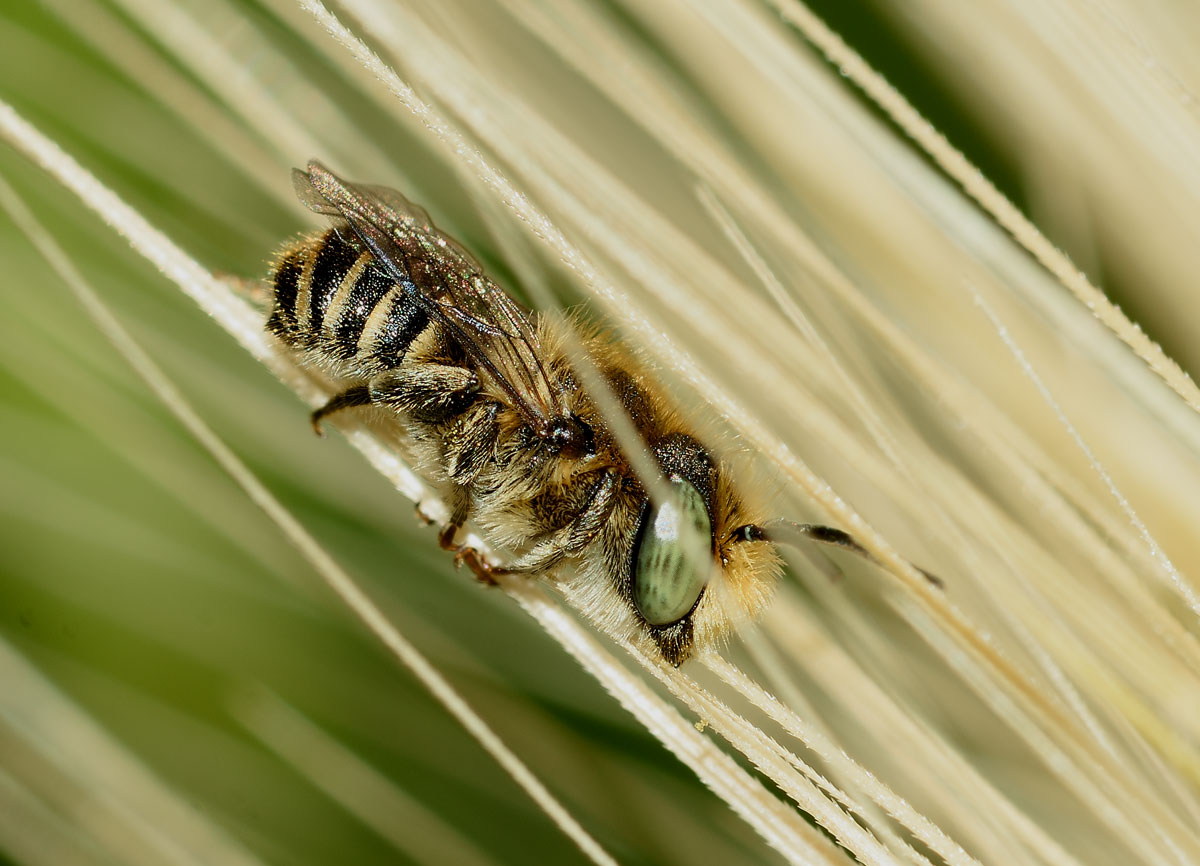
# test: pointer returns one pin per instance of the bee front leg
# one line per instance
(552, 549)
(577, 534)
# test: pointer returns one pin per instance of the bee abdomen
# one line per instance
(331, 297)
(380, 333)
(285, 287)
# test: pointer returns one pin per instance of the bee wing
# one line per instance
(494, 330)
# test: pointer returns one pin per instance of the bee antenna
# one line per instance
(780, 531)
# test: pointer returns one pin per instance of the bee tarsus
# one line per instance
(484, 571)
(359, 395)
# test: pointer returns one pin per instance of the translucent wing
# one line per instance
(492, 328)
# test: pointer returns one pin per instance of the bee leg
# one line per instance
(446, 537)
(359, 395)
(483, 570)
(425, 391)
(468, 444)
(551, 550)
(577, 534)
(428, 392)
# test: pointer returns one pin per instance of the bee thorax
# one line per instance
(571, 437)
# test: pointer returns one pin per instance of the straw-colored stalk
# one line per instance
(876, 336)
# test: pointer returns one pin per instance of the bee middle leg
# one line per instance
(425, 391)
(484, 571)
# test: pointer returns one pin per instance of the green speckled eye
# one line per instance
(674, 558)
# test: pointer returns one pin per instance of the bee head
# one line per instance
(689, 579)
(689, 594)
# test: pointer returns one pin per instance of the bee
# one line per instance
(407, 319)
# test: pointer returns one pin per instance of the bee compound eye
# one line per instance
(673, 555)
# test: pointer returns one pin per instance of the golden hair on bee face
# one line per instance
(495, 416)
(614, 576)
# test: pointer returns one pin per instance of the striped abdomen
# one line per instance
(332, 299)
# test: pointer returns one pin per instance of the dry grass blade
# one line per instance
(989, 197)
(867, 330)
